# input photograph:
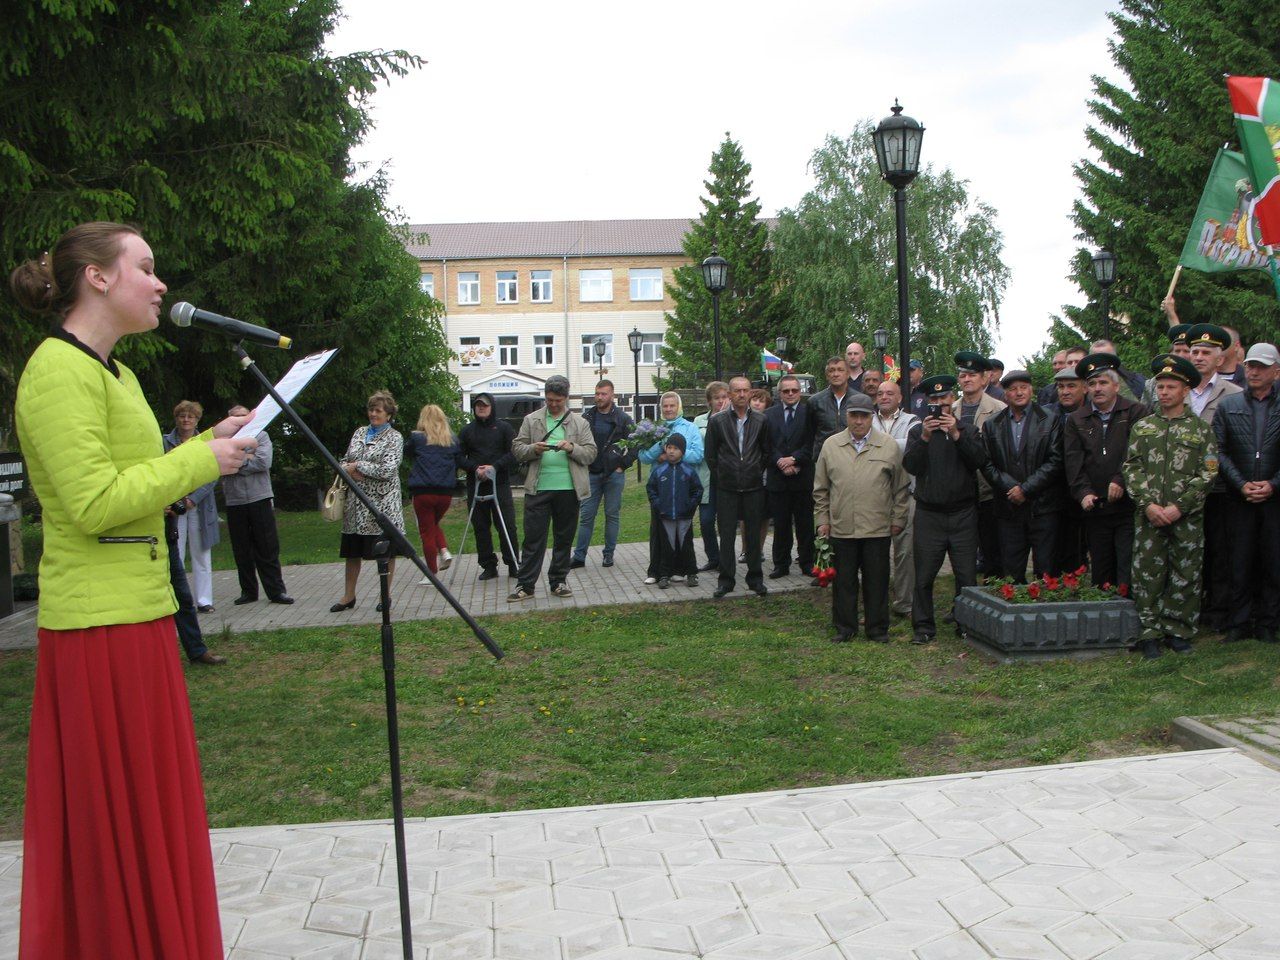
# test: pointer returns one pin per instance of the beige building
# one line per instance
(524, 301)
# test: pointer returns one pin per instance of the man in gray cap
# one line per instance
(558, 446)
(1024, 468)
(1247, 428)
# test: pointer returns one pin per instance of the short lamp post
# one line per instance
(1104, 272)
(715, 277)
(635, 340)
(780, 348)
(599, 348)
(897, 142)
(880, 336)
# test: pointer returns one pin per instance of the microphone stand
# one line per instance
(396, 540)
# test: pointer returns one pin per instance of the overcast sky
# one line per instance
(587, 110)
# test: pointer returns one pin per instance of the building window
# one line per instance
(540, 286)
(507, 286)
(651, 348)
(509, 351)
(469, 358)
(427, 284)
(588, 349)
(595, 286)
(544, 350)
(646, 283)
(469, 289)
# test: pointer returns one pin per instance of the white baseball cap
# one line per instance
(1264, 353)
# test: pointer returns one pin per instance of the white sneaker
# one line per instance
(446, 558)
(650, 580)
(424, 582)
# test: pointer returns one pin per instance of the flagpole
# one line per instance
(1174, 282)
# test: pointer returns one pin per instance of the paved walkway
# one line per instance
(1158, 858)
(316, 587)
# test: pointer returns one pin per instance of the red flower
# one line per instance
(831, 572)
(1107, 587)
(816, 570)
(1033, 591)
(1070, 581)
(1052, 583)
(1007, 592)
(1081, 571)
(1123, 589)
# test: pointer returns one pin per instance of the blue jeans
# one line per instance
(610, 487)
(185, 620)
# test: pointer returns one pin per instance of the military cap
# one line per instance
(1013, 376)
(934, 387)
(1208, 335)
(1067, 373)
(1178, 333)
(1168, 365)
(1096, 363)
(859, 403)
(994, 364)
(969, 362)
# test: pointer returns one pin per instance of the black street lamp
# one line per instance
(880, 336)
(780, 348)
(715, 276)
(635, 340)
(598, 348)
(1104, 272)
(897, 141)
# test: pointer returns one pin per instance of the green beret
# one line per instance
(1208, 335)
(969, 362)
(934, 387)
(1096, 363)
(1178, 333)
(1168, 366)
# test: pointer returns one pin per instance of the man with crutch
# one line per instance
(486, 456)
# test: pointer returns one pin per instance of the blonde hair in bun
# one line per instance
(51, 284)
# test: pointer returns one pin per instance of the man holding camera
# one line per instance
(944, 454)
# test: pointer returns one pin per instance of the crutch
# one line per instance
(490, 497)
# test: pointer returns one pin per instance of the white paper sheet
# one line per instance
(291, 384)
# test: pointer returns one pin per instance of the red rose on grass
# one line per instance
(1007, 592)
(1033, 591)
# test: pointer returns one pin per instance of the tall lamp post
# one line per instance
(635, 340)
(1104, 272)
(598, 348)
(715, 277)
(897, 141)
(880, 336)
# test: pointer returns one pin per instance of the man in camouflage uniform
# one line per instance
(1172, 461)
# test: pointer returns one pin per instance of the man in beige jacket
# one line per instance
(860, 501)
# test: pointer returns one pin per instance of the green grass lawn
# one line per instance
(644, 702)
(305, 537)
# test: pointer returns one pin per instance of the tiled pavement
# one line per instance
(315, 587)
(1175, 857)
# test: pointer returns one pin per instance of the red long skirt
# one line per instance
(116, 858)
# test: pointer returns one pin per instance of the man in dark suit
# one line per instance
(737, 451)
(789, 479)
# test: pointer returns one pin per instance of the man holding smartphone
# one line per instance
(944, 454)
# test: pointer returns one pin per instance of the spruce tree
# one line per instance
(730, 225)
(1156, 135)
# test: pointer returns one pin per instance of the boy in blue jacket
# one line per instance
(675, 492)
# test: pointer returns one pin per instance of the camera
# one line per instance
(935, 410)
(178, 507)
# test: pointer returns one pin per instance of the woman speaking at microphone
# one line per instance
(116, 842)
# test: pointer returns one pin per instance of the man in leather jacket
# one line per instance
(1247, 428)
(610, 424)
(737, 450)
(1024, 444)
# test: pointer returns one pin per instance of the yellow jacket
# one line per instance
(97, 463)
(860, 494)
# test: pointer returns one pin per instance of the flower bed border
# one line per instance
(1044, 630)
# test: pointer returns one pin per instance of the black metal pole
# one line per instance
(715, 321)
(882, 363)
(1106, 312)
(904, 323)
(635, 406)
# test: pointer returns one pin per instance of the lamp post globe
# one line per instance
(715, 277)
(1104, 273)
(599, 348)
(897, 142)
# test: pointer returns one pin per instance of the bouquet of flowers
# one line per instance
(825, 567)
(1069, 586)
(645, 435)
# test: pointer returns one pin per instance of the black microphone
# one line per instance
(184, 315)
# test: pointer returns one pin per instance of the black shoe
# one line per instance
(709, 565)
(283, 599)
(1150, 649)
(608, 562)
(1178, 645)
(761, 591)
(920, 639)
(577, 564)
(488, 575)
(340, 606)
(205, 608)
(1268, 635)
(721, 592)
(1235, 635)
(210, 659)
(243, 599)
(664, 583)
(777, 573)
(841, 638)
